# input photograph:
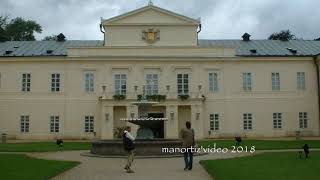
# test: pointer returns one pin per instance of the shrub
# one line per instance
(119, 97)
(184, 97)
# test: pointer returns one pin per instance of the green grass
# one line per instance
(68, 146)
(18, 166)
(262, 144)
(279, 166)
(43, 147)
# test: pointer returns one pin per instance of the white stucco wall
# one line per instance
(72, 103)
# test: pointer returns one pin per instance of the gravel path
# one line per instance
(94, 168)
(146, 169)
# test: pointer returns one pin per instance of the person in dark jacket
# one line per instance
(128, 142)
(306, 150)
(187, 135)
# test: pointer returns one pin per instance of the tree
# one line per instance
(3, 24)
(50, 38)
(284, 35)
(18, 29)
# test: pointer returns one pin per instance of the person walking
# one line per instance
(187, 135)
(306, 150)
(128, 142)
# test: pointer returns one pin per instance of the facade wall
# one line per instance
(230, 102)
(175, 30)
(169, 35)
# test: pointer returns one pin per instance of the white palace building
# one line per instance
(75, 89)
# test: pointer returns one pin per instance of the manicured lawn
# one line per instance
(263, 144)
(43, 147)
(17, 167)
(68, 146)
(279, 166)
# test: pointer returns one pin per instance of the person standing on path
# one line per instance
(187, 135)
(128, 142)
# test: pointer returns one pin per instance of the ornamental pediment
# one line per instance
(150, 15)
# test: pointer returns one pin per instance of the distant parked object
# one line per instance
(238, 140)
(59, 142)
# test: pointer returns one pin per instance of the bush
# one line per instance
(157, 98)
(139, 97)
(184, 97)
(119, 97)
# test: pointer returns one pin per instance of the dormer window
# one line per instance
(49, 51)
(293, 51)
(8, 52)
(253, 51)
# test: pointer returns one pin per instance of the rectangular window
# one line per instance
(54, 124)
(24, 124)
(55, 82)
(120, 82)
(247, 121)
(89, 81)
(183, 84)
(26, 82)
(277, 120)
(275, 77)
(303, 120)
(214, 122)
(89, 124)
(247, 81)
(152, 84)
(213, 82)
(301, 81)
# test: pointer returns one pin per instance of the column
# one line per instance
(171, 125)
(107, 122)
(197, 121)
(132, 111)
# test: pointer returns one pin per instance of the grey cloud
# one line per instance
(221, 19)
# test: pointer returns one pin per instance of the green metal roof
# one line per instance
(243, 48)
(40, 48)
(268, 47)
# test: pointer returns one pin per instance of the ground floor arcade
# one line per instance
(175, 116)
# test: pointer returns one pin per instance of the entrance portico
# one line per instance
(176, 113)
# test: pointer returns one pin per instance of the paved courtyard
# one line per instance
(112, 168)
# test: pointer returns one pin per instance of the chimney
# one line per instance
(61, 38)
(246, 37)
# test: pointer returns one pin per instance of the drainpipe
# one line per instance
(199, 30)
(103, 32)
(316, 63)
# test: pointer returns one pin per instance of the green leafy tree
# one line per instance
(50, 38)
(3, 24)
(284, 35)
(19, 29)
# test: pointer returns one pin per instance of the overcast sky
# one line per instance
(221, 19)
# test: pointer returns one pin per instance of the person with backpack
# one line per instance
(128, 142)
